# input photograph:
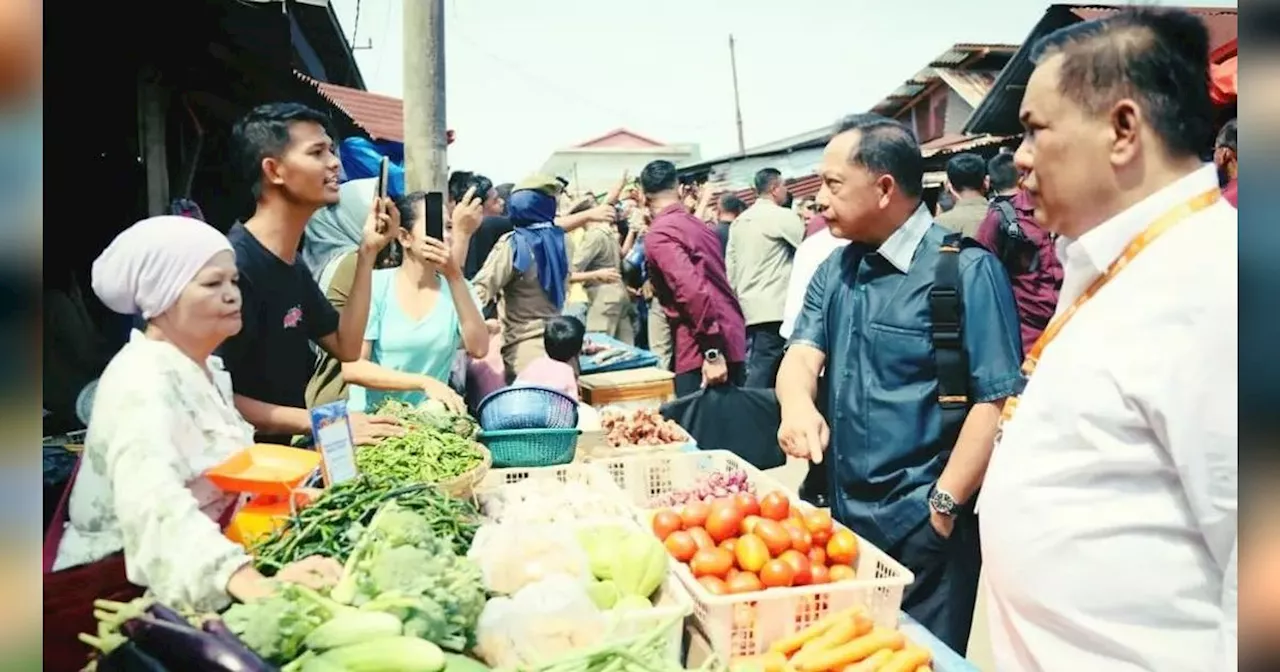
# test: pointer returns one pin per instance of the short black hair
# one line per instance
(1003, 174)
(732, 204)
(1227, 136)
(764, 179)
(967, 172)
(407, 206)
(887, 147)
(1160, 58)
(461, 180)
(562, 337)
(264, 133)
(658, 176)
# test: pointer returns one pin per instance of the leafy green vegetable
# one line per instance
(399, 566)
(276, 627)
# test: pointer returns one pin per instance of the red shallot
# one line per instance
(640, 428)
(709, 486)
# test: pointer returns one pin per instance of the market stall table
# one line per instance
(645, 388)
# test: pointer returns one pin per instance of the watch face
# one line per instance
(942, 502)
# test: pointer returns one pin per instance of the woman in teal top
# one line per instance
(420, 314)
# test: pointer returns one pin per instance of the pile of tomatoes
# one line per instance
(741, 544)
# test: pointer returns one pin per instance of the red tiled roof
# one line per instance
(382, 117)
(619, 137)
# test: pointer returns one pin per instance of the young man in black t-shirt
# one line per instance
(286, 153)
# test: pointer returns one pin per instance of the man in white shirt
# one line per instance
(762, 242)
(1108, 512)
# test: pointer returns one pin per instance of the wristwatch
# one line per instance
(712, 356)
(942, 502)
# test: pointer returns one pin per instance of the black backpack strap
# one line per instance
(946, 312)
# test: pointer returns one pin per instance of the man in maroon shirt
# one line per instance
(687, 270)
(1027, 251)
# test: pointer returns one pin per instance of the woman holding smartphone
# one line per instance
(420, 313)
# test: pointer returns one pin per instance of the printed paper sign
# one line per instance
(331, 427)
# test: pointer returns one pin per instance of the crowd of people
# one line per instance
(898, 342)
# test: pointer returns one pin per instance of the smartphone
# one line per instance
(435, 215)
(382, 177)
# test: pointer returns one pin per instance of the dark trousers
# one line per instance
(764, 354)
(945, 591)
(691, 381)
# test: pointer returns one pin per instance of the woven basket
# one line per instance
(462, 485)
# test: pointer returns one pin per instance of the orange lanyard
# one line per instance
(1174, 216)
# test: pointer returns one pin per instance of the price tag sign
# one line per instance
(331, 428)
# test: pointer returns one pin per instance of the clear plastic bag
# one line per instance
(544, 621)
(513, 556)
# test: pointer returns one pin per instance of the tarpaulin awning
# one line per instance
(1223, 82)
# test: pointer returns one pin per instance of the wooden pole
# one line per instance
(425, 146)
(737, 104)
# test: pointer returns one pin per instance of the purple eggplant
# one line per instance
(163, 613)
(218, 628)
(182, 647)
(129, 658)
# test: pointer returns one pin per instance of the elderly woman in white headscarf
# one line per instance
(162, 416)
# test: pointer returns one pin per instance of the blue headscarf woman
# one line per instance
(527, 272)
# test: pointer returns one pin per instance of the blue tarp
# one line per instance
(361, 158)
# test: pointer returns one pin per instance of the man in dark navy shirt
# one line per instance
(903, 474)
(287, 155)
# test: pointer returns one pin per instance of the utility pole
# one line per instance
(737, 104)
(425, 144)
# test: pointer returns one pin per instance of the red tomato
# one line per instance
(694, 515)
(724, 522)
(819, 574)
(748, 503)
(700, 538)
(800, 539)
(751, 552)
(800, 565)
(749, 524)
(665, 522)
(711, 562)
(733, 571)
(819, 523)
(681, 546)
(729, 544)
(841, 573)
(777, 574)
(818, 555)
(714, 585)
(842, 548)
(745, 582)
(775, 506)
(774, 535)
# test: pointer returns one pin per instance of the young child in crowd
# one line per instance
(562, 338)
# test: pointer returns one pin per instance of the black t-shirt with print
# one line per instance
(283, 310)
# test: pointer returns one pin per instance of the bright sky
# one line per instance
(525, 78)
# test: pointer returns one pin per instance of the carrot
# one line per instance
(792, 643)
(852, 652)
(871, 664)
(907, 660)
(842, 632)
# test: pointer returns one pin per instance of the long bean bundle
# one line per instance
(333, 522)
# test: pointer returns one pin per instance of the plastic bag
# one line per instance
(542, 622)
(513, 556)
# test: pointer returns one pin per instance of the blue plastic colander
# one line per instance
(527, 407)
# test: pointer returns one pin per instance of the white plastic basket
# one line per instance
(746, 624)
(587, 474)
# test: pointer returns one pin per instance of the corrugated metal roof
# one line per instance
(952, 67)
(998, 113)
(1221, 22)
(382, 117)
(954, 143)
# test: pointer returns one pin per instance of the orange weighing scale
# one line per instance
(272, 475)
